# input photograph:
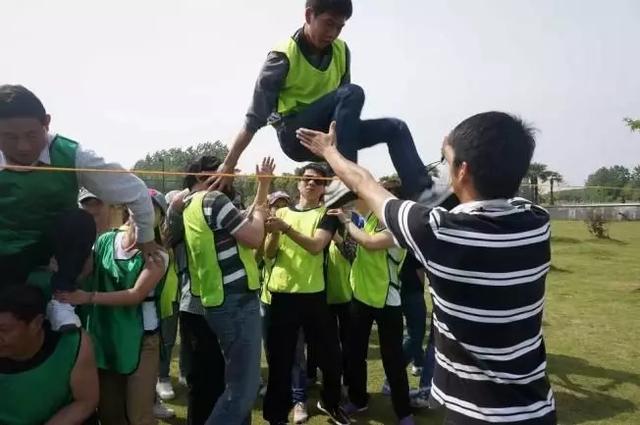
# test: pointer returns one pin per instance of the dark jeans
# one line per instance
(414, 309)
(344, 105)
(288, 314)
(389, 320)
(205, 376)
(429, 360)
(70, 242)
(341, 314)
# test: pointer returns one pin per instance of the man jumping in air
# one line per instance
(305, 82)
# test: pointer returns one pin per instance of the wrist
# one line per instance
(91, 298)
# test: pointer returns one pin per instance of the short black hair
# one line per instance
(18, 102)
(318, 167)
(206, 163)
(497, 148)
(342, 8)
(24, 302)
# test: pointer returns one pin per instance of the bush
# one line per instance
(597, 225)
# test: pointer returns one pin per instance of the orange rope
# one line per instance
(149, 172)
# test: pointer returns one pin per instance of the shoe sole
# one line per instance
(334, 420)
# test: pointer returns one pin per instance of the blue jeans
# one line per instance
(429, 360)
(414, 309)
(344, 105)
(238, 327)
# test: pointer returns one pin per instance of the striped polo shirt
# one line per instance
(486, 262)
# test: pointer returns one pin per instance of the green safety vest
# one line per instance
(373, 272)
(34, 396)
(204, 269)
(304, 83)
(295, 270)
(117, 331)
(30, 202)
(338, 270)
(265, 295)
(169, 294)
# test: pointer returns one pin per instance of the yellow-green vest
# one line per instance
(169, 294)
(204, 270)
(296, 270)
(304, 83)
(374, 271)
(338, 271)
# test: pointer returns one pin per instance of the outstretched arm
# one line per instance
(356, 178)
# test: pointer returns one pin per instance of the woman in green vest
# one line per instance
(376, 292)
(122, 316)
(46, 377)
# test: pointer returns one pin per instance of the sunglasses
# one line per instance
(317, 181)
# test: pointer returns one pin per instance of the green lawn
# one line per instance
(592, 330)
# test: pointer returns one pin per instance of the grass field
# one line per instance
(592, 331)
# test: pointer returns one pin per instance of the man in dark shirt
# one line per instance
(486, 260)
(305, 82)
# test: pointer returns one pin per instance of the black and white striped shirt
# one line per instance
(486, 262)
(224, 219)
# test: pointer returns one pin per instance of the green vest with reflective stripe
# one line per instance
(117, 331)
(304, 83)
(338, 270)
(265, 295)
(204, 269)
(34, 396)
(374, 271)
(169, 294)
(295, 270)
(30, 202)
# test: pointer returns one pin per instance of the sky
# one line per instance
(126, 78)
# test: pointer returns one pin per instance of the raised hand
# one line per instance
(317, 141)
(264, 171)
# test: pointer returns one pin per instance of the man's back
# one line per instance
(486, 262)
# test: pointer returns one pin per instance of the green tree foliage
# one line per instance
(176, 159)
(634, 125)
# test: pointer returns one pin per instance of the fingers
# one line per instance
(332, 128)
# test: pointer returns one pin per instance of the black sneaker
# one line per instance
(337, 415)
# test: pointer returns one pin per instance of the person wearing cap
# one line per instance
(122, 306)
(39, 206)
(298, 238)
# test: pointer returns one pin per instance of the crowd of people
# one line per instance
(99, 274)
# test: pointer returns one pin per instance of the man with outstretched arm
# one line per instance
(486, 260)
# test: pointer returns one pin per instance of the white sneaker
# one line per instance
(263, 390)
(161, 411)
(183, 381)
(300, 414)
(415, 370)
(164, 389)
(337, 194)
(62, 316)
